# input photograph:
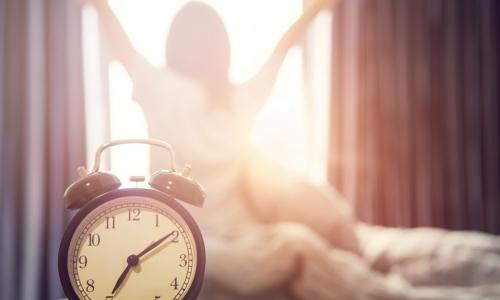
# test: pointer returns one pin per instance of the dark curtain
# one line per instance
(42, 139)
(416, 112)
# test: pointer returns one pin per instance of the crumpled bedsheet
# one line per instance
(290, 261)
(264, 241)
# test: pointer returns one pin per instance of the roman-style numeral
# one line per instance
(110, 222)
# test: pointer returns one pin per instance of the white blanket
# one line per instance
(282, 237)
(289, 261)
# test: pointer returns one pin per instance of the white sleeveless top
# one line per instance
(212, 141)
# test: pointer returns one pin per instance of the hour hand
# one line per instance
(132, 261)
(121, 279)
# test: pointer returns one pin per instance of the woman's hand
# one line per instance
(326, 3)
(260, 86)
(91, 2)
(319, 4)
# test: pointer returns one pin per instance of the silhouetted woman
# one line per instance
(192, 104)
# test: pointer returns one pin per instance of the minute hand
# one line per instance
(154, 245)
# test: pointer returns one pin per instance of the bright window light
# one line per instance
(254, 28)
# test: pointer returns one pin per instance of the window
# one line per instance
(285, 128)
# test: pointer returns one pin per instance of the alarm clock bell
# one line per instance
(89, 186)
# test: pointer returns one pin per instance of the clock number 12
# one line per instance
(133, 214)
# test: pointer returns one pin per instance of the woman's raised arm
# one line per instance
(122, 49)
(261, 84)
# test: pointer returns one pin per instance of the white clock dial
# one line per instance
(113, 234)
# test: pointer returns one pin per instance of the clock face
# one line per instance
(132, 247)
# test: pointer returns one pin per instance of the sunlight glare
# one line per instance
(254, 28)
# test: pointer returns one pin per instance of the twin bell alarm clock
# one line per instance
(132, 243)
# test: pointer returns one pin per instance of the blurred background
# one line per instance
(395, 103)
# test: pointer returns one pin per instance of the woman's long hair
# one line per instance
(198, 47)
